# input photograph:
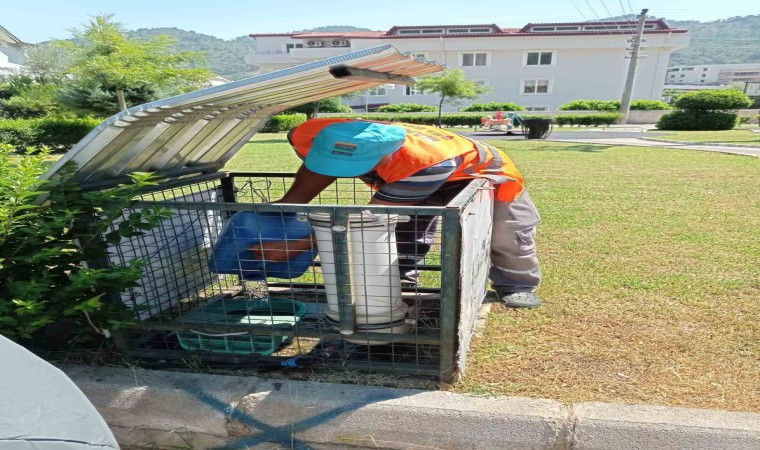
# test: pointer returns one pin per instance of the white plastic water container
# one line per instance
(374, 273)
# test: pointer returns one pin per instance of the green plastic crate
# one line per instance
(271, 313)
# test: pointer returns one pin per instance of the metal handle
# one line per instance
(203, 333)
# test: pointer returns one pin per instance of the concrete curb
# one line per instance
(709, 144)
(162, 409)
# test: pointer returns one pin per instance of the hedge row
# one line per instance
(449, 120)
(613, 105)
(406, 107)
(587, 119)
(58, 134)
(494, 106)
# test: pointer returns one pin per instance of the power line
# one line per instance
(609, 14)
(578, 9)
(593, 11)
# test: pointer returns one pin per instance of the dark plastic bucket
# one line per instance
(538, 128)
(232, 254)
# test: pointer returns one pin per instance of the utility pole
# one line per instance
(625, 102)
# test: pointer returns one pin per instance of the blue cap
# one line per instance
(349, 149)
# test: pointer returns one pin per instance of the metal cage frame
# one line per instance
(458, 301)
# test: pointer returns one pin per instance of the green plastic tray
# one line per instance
(270, 313)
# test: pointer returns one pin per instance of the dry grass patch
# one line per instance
(651, 282)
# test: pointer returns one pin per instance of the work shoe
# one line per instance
(519, 299)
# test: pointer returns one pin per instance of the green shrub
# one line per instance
(591, 105)
(20, 133)
(406, 107)
(587, 119)
(694, 120)
(494, 106)
(744, 119)
(56, 133)
(713, 100)
(42, 247)
(283, 122)
(649, 105)
(36, 100)
(64, 133)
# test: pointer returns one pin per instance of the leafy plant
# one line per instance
(693, 120)
(56, 133)
(406, 107)
(283, 122)
(494, 106)
(54, 263)
(591, 105)
(649, 105)
(706, 110)
(713, 100)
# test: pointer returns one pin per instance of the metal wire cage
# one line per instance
(391, 289)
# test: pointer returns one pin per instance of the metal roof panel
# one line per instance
(202, 130)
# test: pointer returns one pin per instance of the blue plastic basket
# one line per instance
(232, 254)
(270, 313)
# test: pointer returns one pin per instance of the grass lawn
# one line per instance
(652, 280)
(727, 136)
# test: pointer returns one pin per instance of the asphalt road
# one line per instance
(556, 134)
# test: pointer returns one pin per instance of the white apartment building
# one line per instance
(712, 74)
(12, 54)
(540, 66)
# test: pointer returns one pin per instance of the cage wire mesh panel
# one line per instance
(344, 306)
(477, 225)
(172, 253)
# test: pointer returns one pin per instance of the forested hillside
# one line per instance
(731, 41)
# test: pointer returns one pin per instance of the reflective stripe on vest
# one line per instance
(427, 146)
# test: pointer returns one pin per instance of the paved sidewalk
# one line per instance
(158, 409)
(638, 142)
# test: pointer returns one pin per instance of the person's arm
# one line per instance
(306, 186)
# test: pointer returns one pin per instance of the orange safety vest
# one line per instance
(427, 146)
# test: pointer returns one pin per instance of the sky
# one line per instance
(39, 20)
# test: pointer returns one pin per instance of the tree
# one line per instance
(102, 56)
(451, 85)
(46, 63)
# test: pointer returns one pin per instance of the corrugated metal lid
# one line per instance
(200, 131)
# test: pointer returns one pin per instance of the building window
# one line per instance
(701, 81)
(536, 86)
(377, 92)
(672, 76)
(474, 59)
(704, 75)
(435, 31)
(410, 31)
(682, 75)
(419, 55)
(704, 69)
(539, 58)
(688, 69)
(412, 90)
(289, 47)
(537, 108)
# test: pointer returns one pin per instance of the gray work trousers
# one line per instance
(514, 264)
